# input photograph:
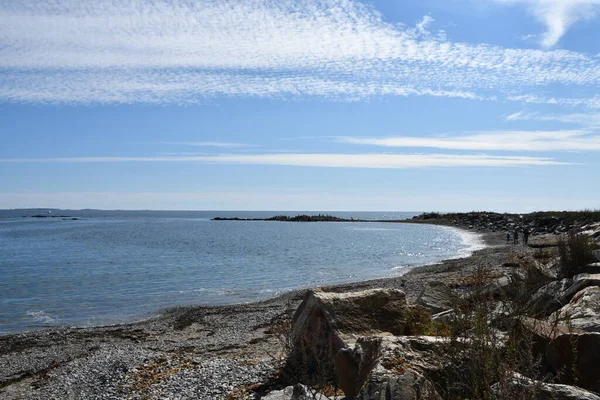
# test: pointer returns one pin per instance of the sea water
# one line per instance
(112, 267)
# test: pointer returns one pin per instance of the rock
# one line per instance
(519, 386)
(533, 336)
(576, 359)
(597, 252)
(447, 316)
(410, 385)
(583, 311)
(592, 268)
(580, 281)
(326, 323)
(546, 299)
(353, 366)
(436, 297)
(500, 287)
(296, 392)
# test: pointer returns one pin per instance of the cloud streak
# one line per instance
(585, 119)
(185, 52)
(565, 140)
(382, 161)
(557, 15)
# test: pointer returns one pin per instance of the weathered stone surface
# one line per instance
(580, 282)
(533, 335)
(353, 366)
(583, 311)
(519, 386)
(501, 287)
(327, 324)
(410, 385)
(352, 314)
(546, 299)
(576, 359)
(296, 392)
(436, 297)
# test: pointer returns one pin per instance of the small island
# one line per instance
(297, 218)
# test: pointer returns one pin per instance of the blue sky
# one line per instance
(300, 105)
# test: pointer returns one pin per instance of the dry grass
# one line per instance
(574, 251)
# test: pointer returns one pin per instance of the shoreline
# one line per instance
(205, 352)
(481, 241)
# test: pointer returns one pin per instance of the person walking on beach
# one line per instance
(516, 237)
(525, 236)
(507, 237)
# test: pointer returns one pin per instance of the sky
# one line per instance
(447, 105)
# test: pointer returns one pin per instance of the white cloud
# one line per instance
(163, 51)
(557, 15)
(385, 161)
(565, 140)
(211, 144)
(584, 119)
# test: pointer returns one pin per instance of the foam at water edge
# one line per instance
(41, 317)
(473, 242)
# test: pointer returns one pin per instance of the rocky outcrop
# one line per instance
(330, 334)
(536, 223)
(546, 299)
(576, 359)
(583, 311)
(580, 282)
(519, 386)
(436, 297)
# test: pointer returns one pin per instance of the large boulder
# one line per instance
(580, 282)
(326, 332)
(576, 359)
(546, 299)
(519, 386)
(583, 311)
(436, 297)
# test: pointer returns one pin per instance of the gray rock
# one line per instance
(576, 359)
(410, 385)
(296, 392)
(546, 299)
(583, 311)
(519, 386)
(328, 323)
(436, 297)
(580, 281)
(353, 366)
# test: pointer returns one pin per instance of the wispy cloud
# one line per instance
(561, 140)
(180, 52)
(557, 15)
(227, 145)
(386, 161)
(585, 119)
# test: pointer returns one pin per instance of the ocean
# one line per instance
(117, 266)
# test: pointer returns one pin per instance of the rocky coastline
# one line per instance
(406, 349)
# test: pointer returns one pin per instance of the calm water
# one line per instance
(118, 266)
